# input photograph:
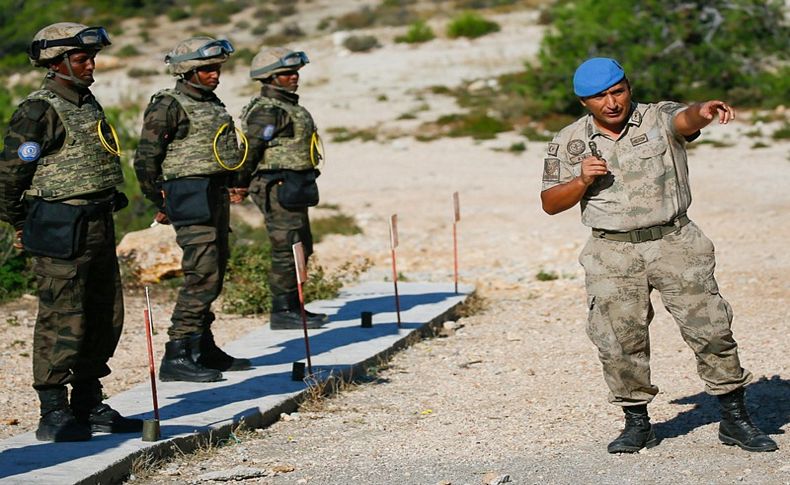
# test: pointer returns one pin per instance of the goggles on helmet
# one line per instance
(292, 59)
(90, 38)
(208, 50)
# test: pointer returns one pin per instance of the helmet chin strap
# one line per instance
(71, 77)
(198, 85)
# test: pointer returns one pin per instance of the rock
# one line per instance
(283, 468)
(233, 474)
(493, 478)
(152, 254)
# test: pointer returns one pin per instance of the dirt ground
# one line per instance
(518, 389)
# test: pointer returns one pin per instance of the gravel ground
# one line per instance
(517, 389)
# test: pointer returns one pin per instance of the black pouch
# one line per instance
(298, 190)
(54, 229)
(187, 201)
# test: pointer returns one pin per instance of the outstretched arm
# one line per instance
(700, 115)
(564, 196)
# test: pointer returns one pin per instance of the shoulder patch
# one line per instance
(268, 133)
(552, 149)
(29, 151)
(551, 170)
(576, 147)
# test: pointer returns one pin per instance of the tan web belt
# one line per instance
(652, 233)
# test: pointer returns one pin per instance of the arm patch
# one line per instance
(551, 170)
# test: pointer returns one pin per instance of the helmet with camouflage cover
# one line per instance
(197, 51)
(270, 61)
(53, 41)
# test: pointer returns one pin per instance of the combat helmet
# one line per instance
(270, 61)
(195, 52)
(56, 40)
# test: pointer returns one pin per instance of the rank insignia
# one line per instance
(636, 118)
(552, 149)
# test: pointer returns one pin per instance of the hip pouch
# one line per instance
(54, 229)
(187, 201)
(297, 189)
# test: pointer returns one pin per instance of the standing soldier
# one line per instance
(625, 163)
(187, 148)
(284, 151)
(62, 157)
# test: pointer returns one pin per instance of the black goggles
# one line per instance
(211, 49)
(90, 38)
(294, 59)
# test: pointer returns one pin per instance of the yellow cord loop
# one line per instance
(316, 149)
(114, 150)
(243, 140)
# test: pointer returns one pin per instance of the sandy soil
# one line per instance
(518, 389)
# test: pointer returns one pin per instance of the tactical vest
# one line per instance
(281, 152)
(82, 165)
(194, 155)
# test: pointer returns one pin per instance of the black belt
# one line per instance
(652, 233)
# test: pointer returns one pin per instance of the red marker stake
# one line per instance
(456, 218)
(301, 277)
(393, 245)
(152, 371)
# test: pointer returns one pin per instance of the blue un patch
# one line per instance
(268, 132)
(29, 151)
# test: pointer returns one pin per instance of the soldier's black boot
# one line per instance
(736, 428)
(637, 434)
(57, 422)
(88, 408)
(214, 357)
(287, 314)
(180, 362)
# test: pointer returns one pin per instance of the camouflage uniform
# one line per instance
(648, 188)
(80, 315)
(268, 126)
(205, 245)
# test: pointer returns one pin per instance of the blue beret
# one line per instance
(596, 75)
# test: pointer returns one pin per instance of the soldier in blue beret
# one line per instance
(625, 164)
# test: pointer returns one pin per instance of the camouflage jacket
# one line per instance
(164, 121)
(648, 180)
(262, 125)
(34, 122)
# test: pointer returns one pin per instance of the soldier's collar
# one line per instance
(72, 94)
(194, 93)
(280, 94)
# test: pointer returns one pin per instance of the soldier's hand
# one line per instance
(237, 194)
(161, 218)
(710, 109)
(18, 239)
(592, 167)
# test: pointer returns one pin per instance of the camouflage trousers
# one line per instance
(80, 310)
(620, 277)
(204, 263)
(285, 227)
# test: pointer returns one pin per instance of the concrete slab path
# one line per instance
(190, 412)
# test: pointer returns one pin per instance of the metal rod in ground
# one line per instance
(304, 327)
(393, 245)
(455, 257)
(149, 322)
(395, 280)
(300, 266)
(456, 218)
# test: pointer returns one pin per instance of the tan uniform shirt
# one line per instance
(648, 181)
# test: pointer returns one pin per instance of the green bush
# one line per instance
(670, 49)
(471, 25)
(128, 51)
(177, 13)
(361, 43)
(418, 32)
(16, 278)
